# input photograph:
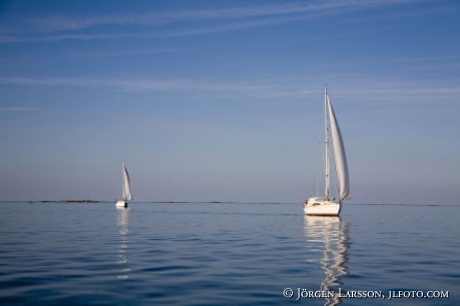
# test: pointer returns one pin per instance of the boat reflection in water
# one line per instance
(334, 235)
(123, 230)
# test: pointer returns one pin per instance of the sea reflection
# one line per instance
(123, 230)
(334, 235)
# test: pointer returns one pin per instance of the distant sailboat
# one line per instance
(126, 194)
(327, 206)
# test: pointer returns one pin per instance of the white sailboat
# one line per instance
(326, 205)
(126, 194)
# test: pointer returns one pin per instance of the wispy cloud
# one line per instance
(143, 85)
(153, 25)
(18, 109)
(63, 23)
(358, 87)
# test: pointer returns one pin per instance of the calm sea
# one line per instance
(227, 254)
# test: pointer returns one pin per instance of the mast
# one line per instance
(123, 185)
(326, 143)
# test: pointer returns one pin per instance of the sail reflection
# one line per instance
(123, 230)
(334, 234)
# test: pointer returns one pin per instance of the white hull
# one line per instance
(121, 204)
(321, 207)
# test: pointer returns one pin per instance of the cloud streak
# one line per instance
(18, 109)
(387, 90)
(142, 85)
(154, 25)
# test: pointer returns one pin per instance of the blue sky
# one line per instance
(223, 100)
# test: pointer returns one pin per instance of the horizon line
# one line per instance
(92, 201)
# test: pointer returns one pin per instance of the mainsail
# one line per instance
(340, 157)
(126, 185)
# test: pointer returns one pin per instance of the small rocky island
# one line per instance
(71, 201)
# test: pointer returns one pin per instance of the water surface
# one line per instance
(224, 254)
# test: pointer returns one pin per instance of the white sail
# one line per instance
(340, 157)
(126, 185)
